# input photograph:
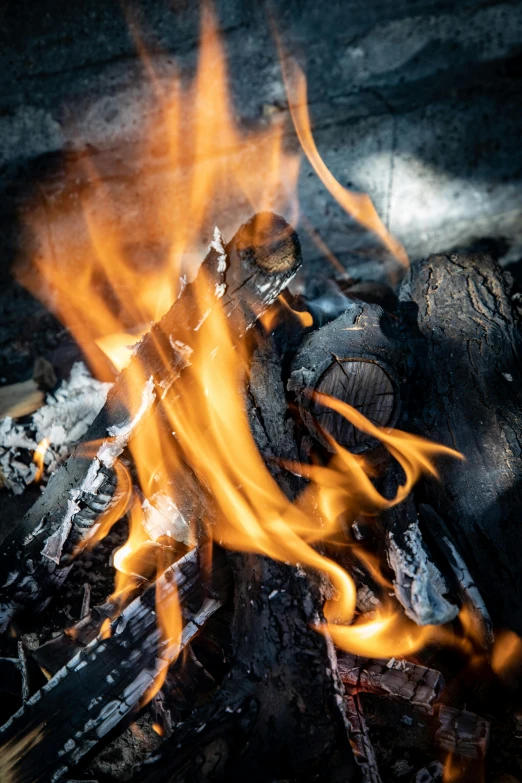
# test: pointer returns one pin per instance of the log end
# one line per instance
(365, 386)
(269, 243)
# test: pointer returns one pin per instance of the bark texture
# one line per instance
(466, 392)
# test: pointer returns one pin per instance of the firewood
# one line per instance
(247, 275)
(364, 340)
(417, 685)
(104, 682)
(20, 399)
(58, 651)
(360, 736)
(465, 391)
(462, 732)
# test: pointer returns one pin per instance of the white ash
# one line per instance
(63, 420)
(419, 585)
(218, 246)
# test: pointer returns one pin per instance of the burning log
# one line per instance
(462, 732)
(359, 358)
(105, 682)
(466, 392)
(245, 277)
(417, 685)
(279, 712)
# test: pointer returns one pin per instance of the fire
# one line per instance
(507, 654)
(201, 432)
(38, 458)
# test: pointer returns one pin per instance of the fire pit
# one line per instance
(260, 520)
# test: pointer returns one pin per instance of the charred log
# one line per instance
(353, 358)
(105, 682)
(359, 358)
(279, 712)
(462, 732)
(402, 680)
(466, 392)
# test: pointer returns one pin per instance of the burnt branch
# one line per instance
(360, 737)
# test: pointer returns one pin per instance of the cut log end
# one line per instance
(365, 386)
(269, 243)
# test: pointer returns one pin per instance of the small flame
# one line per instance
(506, 657)
(270, 318)
(39, 457)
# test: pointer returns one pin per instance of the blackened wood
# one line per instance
(104, 682)
(279, 712)
(417, 685)
(432, 773)
(354, 358)
(359, 358)
(244, 277)
(269, 419)
(466, 392)
(419, 585)
(360, 736)
(462, 732)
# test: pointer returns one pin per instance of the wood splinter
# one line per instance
(360, 738)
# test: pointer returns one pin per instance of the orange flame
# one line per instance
(506, 657)
(108, 300)
(39, 457)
